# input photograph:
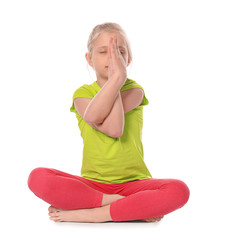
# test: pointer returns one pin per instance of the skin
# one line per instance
(115, 56)
(99, 58)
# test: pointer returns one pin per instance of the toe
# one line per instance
(53, 214)
(151, 220)
(159, 218)
(55, 219)
(53, 209)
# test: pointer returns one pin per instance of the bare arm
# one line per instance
(113, 125)
(115, 120)
(125, 102)
(101, 105)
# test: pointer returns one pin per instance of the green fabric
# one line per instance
(113, 160)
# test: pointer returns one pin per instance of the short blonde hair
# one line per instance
(108, 27)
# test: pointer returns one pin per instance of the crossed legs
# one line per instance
(72, 199)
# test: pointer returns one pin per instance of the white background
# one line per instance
(180, 57)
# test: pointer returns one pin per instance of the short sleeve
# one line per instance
(82, 91)
(133, 84)
(145, 101)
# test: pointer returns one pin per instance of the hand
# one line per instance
(116, 66)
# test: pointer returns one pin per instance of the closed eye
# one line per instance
(121, 52)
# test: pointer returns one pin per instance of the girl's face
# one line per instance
(100, 57)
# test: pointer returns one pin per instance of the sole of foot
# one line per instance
(53, 210)
(156, 219)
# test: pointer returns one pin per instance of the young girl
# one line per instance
(115, 184)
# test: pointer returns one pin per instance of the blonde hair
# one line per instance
(108, 27)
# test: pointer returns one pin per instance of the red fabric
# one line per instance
(145, 198)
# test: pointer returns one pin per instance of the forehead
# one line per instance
(103, 40)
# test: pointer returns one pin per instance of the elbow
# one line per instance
(87, 118)
(91, 120)
(117, 134)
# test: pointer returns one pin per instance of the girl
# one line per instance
(115, 184)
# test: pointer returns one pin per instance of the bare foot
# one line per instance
(156, 219)
(65, 215)
(83, 215)
(54, 213)
(100, 214)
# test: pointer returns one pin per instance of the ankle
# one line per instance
(105, 200)
(109, 198)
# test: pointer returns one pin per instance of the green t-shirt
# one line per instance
(107, 159)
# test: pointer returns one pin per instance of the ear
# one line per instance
(128, 62)
(88, 58)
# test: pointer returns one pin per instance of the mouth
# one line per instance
(106, 67)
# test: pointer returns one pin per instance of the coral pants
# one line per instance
(145, 198)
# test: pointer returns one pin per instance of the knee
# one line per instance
(181, 191)
(37, 179)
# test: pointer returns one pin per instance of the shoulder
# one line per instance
(130, 83)
(84, 90)
(136, 88)
(83, 87)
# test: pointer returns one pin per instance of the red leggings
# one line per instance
(145, 198)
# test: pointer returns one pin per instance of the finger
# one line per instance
(110, 54)
(110, 47)
(114, 51)
(116, 44)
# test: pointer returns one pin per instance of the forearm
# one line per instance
(115, 119)
(101, 105)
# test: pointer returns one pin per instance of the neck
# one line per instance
(101, 81)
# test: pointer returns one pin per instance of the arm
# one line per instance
(113, 125)
(129, 100)
(102, 104)
(115, 119)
